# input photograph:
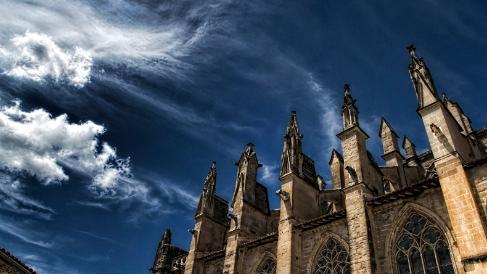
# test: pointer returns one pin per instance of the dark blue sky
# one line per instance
(174, 85)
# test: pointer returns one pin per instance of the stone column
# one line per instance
(464, 214)
(360, 255)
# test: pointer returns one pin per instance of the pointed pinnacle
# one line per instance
(412, 50)
(347, 90)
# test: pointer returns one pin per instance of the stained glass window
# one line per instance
(422, 248)
(332, 259)
(267, 267)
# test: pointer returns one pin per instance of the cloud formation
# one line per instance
(62, 39)
(42, 146)
(37, 57)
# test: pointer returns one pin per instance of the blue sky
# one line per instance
(112, 112)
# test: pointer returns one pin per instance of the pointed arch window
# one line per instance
(422, 248)
(332, 259)
(268, 266)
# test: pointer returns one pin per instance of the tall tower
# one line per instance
(211, 223)
(298, 195)
(451, 150)
(359, 181)
(250, 208)
(355, 155)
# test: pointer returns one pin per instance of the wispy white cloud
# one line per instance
(25, 234)
(37, 57)
(46, 265)
(329, 112)
(14, 199)
(174, 193)
(98, 237)
(98, 205)
(66, 35)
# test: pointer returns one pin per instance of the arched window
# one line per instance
(332, 259)
(268, 266)
(422, 248)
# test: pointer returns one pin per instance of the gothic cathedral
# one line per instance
(419, 213)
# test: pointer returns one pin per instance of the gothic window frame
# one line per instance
(263, 258)
(321, 245)
(262, 268)
(402, 219)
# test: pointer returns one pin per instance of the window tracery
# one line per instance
(267, 267)
(422, 248)
(332, 259)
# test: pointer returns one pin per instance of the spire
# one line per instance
(292, 148)
(246, 174)
(412, 50)
(388, 136)
(206, 198)
(166, 238)
(210, 180)
(162, 262)
(293, 127)
(349, 109)
(422, 81)
(409, 147)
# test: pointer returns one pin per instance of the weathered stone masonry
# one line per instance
(421, 213)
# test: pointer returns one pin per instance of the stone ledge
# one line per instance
(475, 259)
(410, 191)
(213, 255)
(319, 221)
(271, 237)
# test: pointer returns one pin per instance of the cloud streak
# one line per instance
(13, 199)
(22, 234)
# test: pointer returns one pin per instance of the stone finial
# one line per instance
(209, 186)
(293, 126)
(349, 109)
(292, 148)
(166, 239)
(210, 179)
(346, 89)
(412, 50)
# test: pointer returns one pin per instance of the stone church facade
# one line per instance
(418, 213)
